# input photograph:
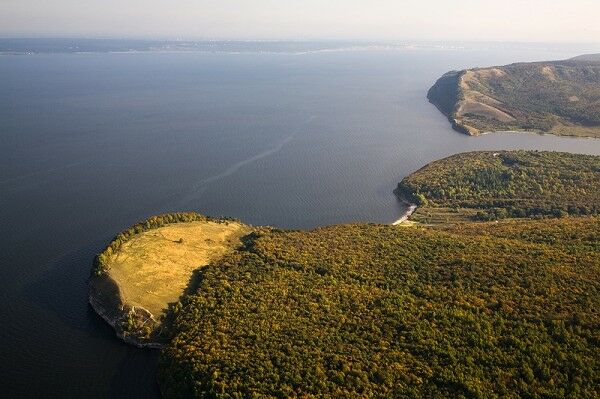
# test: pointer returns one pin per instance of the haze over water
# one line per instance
(92, 143)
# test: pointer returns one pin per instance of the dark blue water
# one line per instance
(91, 143)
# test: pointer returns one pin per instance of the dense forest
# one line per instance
(560, 97)
(505, 309)
(474, 309)
(471, 310)
(497, 185)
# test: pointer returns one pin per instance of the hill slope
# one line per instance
(587, 57)
(559, 97)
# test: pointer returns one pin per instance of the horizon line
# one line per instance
(6, 36)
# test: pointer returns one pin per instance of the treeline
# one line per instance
(508, 184)
(100, 265)
(480, 310)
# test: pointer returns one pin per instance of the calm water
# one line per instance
(91, 143)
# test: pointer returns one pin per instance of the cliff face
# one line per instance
(134, 325)
(444, 93)
(561, 97)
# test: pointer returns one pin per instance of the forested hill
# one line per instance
(558, 97)
(505, 184)
(503, 309)
(488, 309)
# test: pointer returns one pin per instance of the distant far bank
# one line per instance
(49, 45)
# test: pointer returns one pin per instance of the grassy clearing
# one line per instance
(155, 267)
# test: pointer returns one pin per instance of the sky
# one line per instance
(425, 20)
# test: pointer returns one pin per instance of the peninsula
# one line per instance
(556, 97)
(492, 289)
(139, 278)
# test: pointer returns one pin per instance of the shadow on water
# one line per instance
(131, 378)
(62, 290)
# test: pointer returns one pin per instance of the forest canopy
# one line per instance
(477, 310)
(497, 185)
(471, 310)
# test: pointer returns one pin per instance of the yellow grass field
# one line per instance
(154, 268)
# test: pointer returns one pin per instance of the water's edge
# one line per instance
(105, 299)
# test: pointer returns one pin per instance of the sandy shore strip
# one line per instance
(405, 215)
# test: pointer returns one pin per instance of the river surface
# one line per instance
(92, 143)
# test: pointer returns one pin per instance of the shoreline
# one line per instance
(110, 307)
(411, 209)
(142, 323)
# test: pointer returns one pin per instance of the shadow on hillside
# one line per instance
(193, 284)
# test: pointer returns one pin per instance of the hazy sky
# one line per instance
(499, 20)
